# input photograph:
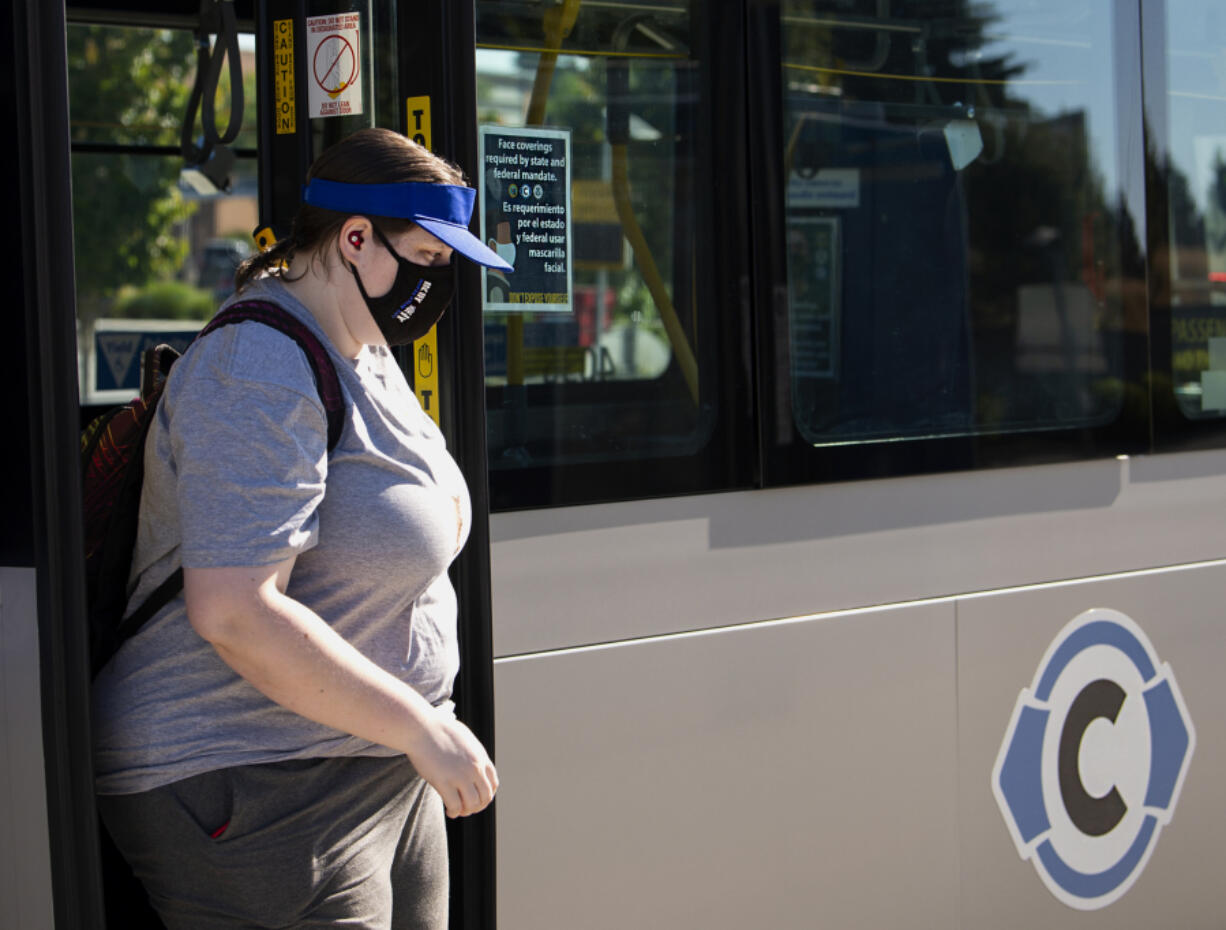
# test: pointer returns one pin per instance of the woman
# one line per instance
(277, 746)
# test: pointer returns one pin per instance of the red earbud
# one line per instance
(355, 239)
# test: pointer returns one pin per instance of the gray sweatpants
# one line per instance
(356, 842)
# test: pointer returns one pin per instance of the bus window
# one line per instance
(154, 254)
(952, 212)
(1195, 183)
(614, 368)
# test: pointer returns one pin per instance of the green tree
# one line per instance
(126, 86)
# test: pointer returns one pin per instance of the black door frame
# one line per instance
(437, 60)
(42, 487)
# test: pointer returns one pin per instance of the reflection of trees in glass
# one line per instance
(1033, 204)
(1035, 171)
(1180, 278)
(126, 86)
(1216, 232)
(576, 100)
(1183, 262)
(1187, 223)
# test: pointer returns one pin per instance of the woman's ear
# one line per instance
(354, 239)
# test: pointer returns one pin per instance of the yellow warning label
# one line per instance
(425, 372)
(554, 360)
(591, 201)
(283, 76)
(417, 111)
(425, 349)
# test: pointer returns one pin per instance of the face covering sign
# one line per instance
(526, 217)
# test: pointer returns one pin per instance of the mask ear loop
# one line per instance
(358, 278)
(386, 243)
(354, 234)
(400, 260)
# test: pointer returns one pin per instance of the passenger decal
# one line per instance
(1093, 759)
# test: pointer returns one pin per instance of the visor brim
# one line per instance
(464, 242)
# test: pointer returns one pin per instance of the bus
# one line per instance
(848, 446)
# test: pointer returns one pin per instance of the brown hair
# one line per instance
(369, 156)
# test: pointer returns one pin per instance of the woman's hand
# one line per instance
(448, 756)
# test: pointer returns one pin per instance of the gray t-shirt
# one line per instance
(237, 473)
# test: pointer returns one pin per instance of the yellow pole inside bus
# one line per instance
(558, 22)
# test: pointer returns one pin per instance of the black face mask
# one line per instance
(416, 301)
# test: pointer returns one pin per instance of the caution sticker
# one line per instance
(425, 349)
(283, 76)
(334, 57)
(417, 114)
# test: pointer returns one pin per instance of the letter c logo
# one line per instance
(1093, 816)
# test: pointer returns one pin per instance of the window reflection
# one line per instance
(953, 217)
(1195, 179)
(617, 375)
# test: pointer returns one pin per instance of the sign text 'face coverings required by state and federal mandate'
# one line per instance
(526, 217)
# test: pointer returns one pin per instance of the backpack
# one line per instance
(113, 471)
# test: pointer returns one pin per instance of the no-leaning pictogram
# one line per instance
(334, 49)
(336, 65)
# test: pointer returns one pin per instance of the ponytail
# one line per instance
(273, 261)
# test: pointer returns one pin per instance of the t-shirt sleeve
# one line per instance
(248, 443)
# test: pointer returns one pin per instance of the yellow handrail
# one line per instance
(651, 274)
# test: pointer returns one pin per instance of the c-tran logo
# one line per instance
(1093, 760)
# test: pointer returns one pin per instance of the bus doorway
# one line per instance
(131, 205)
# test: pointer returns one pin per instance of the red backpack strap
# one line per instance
(109, 632)
(326, 380)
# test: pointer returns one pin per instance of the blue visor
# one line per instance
(443, 210)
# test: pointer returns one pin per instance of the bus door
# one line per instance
(166, 191)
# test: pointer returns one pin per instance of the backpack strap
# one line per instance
(326, 382)
(158, 598)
